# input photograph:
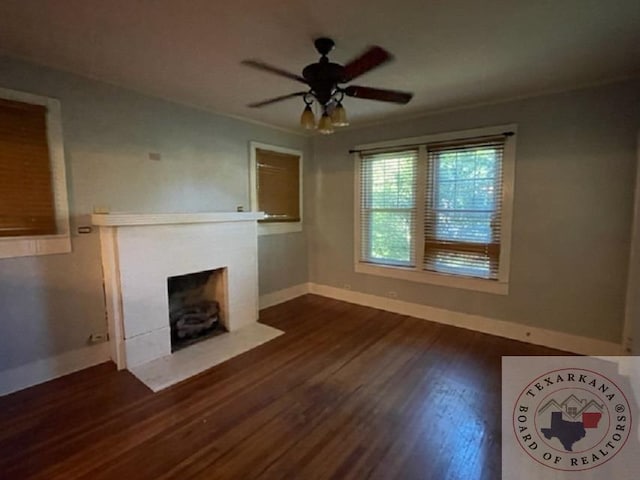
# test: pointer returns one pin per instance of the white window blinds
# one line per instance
(462, 223)
(388, 184)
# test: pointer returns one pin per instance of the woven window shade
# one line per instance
(26, 192)
(388, 184)
(278, 177)
(463, 208)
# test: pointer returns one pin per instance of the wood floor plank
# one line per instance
(347, 392)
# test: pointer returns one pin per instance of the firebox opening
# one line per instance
(197, 306)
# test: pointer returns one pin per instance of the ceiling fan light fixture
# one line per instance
(324, 125)
(324, 80)
(307, 119)
(339, 116)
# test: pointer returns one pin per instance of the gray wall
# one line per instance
(574, 180)
(634, 280)
(575, 167)
(50, 304)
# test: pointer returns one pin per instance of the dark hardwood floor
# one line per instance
(347, 392)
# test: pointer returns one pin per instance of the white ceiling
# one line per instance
(450, 53)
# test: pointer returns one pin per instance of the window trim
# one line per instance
(274, 228)
(416, 274)
(33, 245)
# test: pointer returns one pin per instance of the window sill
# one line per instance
(11, 247)
(441, 279)
(279, 227)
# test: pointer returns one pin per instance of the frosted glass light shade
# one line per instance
(307, 119)
(324, 125)
(339, 116)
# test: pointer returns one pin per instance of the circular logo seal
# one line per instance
(572, 419)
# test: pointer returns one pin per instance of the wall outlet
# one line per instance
(98, 337)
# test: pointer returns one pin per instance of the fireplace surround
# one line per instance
(140, 252)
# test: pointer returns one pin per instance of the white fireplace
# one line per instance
(140, 252)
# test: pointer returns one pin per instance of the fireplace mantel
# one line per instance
(118, 219)
(141, 250)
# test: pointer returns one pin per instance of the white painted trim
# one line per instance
(508, 194)
(45, 244)
(128, 219)
(632, 302)
(413, 274)
(280, 296)
(113, 302)
(422, 172)
(11, 247)
(357, 217)
(274, 228)
(50, 368)
(500, 328)
(47, 369)
(416, 273)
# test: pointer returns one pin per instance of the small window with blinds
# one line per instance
(463, 208)
(34, 213)
(276, 181)
(438, 208)
(388, 207)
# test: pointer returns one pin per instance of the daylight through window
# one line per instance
(436, 207)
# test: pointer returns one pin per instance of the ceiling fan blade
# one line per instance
(276, 99)
(269, 68)
(393, 96)
(370, 59)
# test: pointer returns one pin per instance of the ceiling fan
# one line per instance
(325, 79)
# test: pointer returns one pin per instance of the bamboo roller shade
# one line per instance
(26, 192)
(278, 185)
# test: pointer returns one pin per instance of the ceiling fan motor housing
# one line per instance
(324, 45)
(323, 78)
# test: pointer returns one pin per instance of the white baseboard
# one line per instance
(46, 369)
(274, 298)
(500, 328)
(49, 368)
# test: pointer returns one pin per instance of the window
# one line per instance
(276, 174)
(33, 197)
(389, 207)
(439, 210)
(463, 208)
